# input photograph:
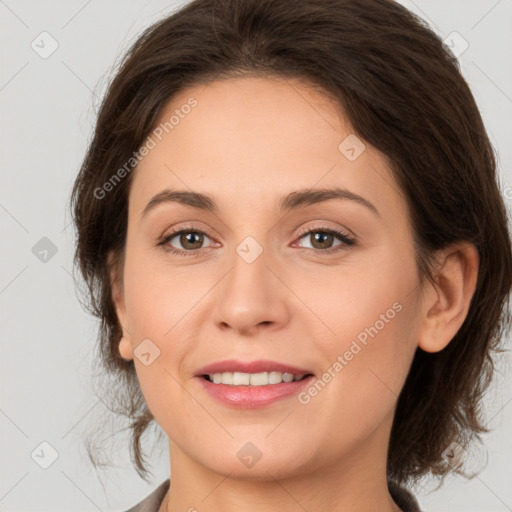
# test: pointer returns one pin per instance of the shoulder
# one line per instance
(152, 502)
(403, 498)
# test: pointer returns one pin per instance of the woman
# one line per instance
(291, 230)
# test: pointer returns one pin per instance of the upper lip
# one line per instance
(261, 365)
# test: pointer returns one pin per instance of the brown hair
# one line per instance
(403, 92)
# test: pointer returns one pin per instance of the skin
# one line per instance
(248, 142)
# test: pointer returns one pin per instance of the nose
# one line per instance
(252, 296)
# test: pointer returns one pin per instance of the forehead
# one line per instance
(255, 138)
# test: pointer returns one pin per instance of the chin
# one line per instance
(249, 463)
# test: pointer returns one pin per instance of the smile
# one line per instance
(252, 379)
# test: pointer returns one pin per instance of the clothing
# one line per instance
(401, 496)
(152, 502)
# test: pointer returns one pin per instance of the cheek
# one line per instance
(157, 304)
(160, 304)
(363, 299)
(158, 296)
(367, 351)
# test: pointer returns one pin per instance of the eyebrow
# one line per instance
(292, 201)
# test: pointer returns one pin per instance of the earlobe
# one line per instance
(446, 303)
(125, 348)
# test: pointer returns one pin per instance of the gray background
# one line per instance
(48, 107)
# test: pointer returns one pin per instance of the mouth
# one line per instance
(252, 373)
(254, 379)
(253, 384)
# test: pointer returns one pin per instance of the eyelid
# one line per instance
(324, 227)
(302, 231)
(186, 227)
(347, 239)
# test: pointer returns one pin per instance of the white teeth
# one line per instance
(253, 379)
(259, 379)
(275, 377)
(287, 377)
(227, 378)
(240, 379)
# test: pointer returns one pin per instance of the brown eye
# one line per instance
(184, 241)
(191, 240)
(322, 239)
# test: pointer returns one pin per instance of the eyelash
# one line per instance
(346, 239)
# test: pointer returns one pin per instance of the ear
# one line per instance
(446, 303)
(117, 294)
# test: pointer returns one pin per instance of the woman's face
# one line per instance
(258, 275)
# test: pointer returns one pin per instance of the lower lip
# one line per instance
(252, 397)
